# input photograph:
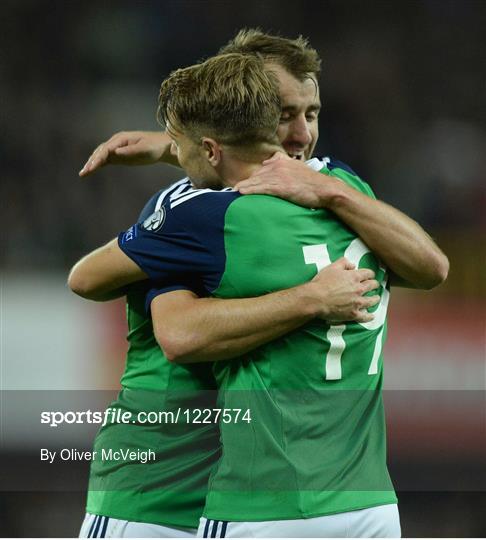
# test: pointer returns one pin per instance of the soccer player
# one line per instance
(165, 496)
(182, 237)
(412, 256)
(298, 132)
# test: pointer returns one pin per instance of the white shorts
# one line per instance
(106, 527)
(377, 522)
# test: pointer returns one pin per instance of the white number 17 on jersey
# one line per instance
(319, 255)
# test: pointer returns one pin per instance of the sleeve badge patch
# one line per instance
(155, 221)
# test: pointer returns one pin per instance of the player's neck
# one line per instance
(234, 172)
(240, 165)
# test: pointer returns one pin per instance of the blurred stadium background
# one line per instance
(404, 95)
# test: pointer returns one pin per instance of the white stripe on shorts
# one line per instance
(105, 527)
(376, 522)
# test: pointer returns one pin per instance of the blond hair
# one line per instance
(295, 55)
(230, 97)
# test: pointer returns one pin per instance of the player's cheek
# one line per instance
(282, 133)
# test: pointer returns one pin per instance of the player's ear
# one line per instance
(212, 151)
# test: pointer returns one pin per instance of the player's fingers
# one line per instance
(275, 157)
(101, 154)
(85, 170)
(250, 182)
(102, 150)
(365, 274)
(370, 285)
(345, 264)
(88, 169)
(96, 160)
(364, 316)
(258, 186)
(240, 185)
(258, 189)
(100, 157)
(91, 165)
(369, 301)
(129, 150)
(120, 141)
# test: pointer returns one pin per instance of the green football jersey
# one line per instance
(309, 439)
(164, 480)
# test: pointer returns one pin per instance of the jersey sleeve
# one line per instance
(344, 172)
(156, 291)
(147, 211)
(182, 241)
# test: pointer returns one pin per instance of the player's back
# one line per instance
(316, 442)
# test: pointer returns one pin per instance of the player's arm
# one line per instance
(191, 329)
(104, 273)
(413, 257)
(131, 148)
(401, 243)
(188, 245)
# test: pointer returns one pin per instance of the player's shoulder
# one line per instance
(334, 167)
(181, 207)
(157, 200)
(189, 197)
(330, 163)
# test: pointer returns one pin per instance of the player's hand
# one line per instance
(340, 288)
(289, 179)
(130, 148)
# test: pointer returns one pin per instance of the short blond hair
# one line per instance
(295, 55)
(230, 97)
